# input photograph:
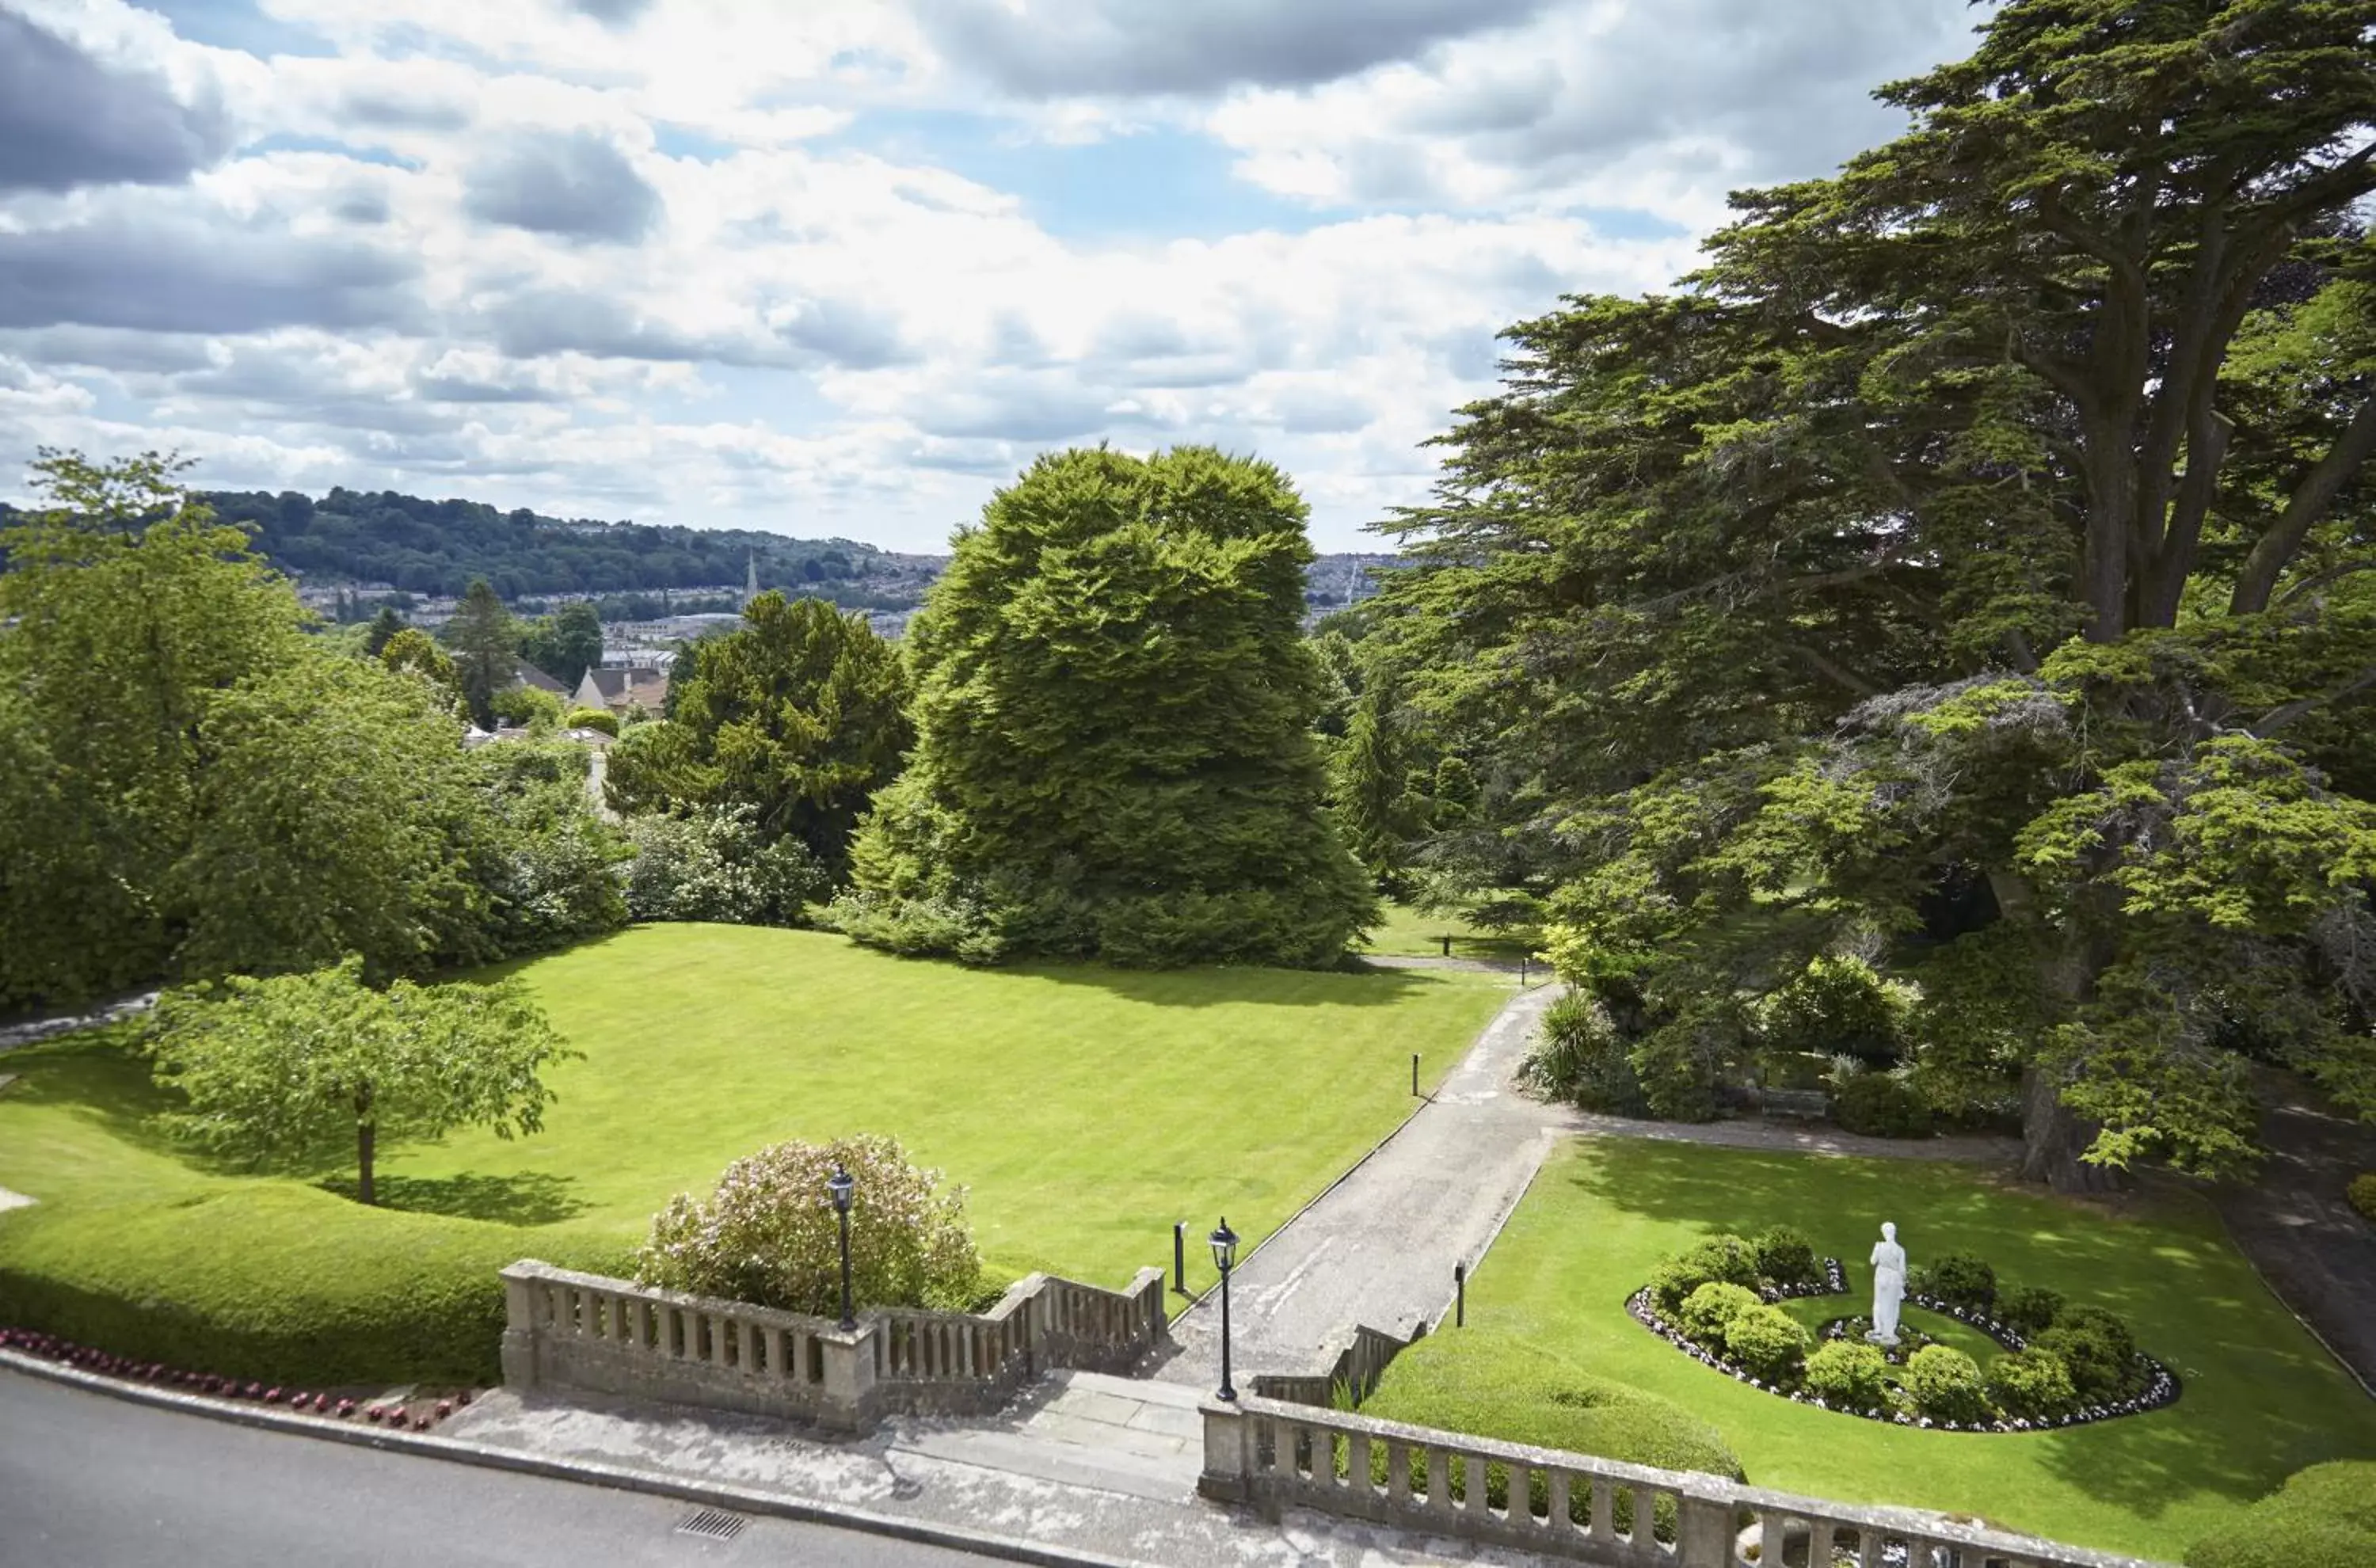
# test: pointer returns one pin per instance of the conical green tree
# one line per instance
(1115, 755)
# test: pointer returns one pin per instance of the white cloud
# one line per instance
(608, 259)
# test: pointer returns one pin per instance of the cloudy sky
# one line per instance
(841, 268)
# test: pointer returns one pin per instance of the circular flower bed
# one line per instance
(393, 1414)
(2065, 1365)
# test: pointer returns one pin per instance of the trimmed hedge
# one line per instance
(2362, 1193)
(273, 1282)
(1709, 1310)
(2323, 1517)
(2031, 1384)
(1945, 1385)
(1848, 1375)
(1963, 1278)
(1522, 1391)
(1727, 1258)
(1769, 1342)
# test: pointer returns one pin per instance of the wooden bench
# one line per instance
(1798, 1105)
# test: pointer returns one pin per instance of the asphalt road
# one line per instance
(88, 1481)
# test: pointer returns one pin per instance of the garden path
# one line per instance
(2296, 1228)
(1378, 1247)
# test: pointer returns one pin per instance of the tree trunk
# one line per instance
(364, 1132)
(2053, 1139)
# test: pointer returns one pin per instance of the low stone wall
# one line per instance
(569, 1331)
(1275, 1457)
(1354, 1374)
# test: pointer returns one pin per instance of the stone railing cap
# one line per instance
(1693, 1483)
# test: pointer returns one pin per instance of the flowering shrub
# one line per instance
(1711, 1309)
(1769, 1342)
(2031, 1383)
(1945, 1385)
(768, 1235)
(1845, 1374)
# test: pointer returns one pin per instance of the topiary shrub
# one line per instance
(1945, 1385)
(1769, 1343)
(600, 718)
(1710, 1310)
(2028, 1310)
(1837, 1006)
(2323, 1517)
(1727, 1258)
(2362, 1193)
(2034, 1384)
(1579, 1058)
(2099, 1352)
(1848, 1375)
(1960, 1279)
(1786, 1258)
(1879, 1106)
(768, 1235)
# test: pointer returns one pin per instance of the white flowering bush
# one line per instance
(768, 1235)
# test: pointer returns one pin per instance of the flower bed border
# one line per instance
(2162, 1387)
(396, 1415)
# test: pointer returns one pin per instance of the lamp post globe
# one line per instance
(840, 1185)
(1225, 1258)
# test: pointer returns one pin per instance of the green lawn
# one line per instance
(2261, 1398)
(1086, 1109)
(1407, 934)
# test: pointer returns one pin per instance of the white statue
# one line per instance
(1888, 1286)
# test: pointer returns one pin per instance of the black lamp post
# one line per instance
(1224, 1255)
(840, 1186)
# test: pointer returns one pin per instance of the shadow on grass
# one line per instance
(100, 1074)
(1218, 985)
(530, 1199)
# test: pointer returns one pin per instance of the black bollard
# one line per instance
(1179, 1256)
(1460, 1295)
(1447, 946)
(1414, 1074)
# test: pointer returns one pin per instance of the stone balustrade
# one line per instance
(569, 1331)
(1353, 1375)
(1274, 1457)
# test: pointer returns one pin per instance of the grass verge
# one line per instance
(2262, 1399)
(1086, 1109)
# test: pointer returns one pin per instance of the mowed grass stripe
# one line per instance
(1085, 1109)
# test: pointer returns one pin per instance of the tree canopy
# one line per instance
(301, 1071)
(1114, 752)
(799, 715)
(195, 787)
(1968, 565)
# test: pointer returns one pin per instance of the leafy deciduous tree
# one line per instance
(301, 1071)
(1114, 750)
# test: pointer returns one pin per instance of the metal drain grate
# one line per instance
(714, 1523)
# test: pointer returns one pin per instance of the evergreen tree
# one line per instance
(1115, 752)
(800, 713)
(485, 643)
(1977, 552)
(384, 624)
